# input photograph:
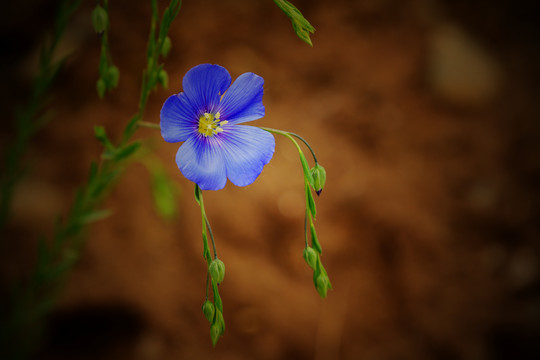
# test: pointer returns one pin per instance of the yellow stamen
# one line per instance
(210, 124)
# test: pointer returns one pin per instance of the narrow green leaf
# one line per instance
(206, 251)
(310, 203)
(96, 216)
(305, 168)
(217, 298)
(314, 239)
(126, 151)
(301, 26)
(101, 183)
(101, 135)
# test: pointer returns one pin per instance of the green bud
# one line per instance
(217, 328)
(301, 31)
(301, 26)
(100, 19)
(322, 283)
(215, 333)
(112, 76)
(101, 87)
(310, 256)
(163, 78)
(217, 270)
(319, 178)
(166, 47)
(209, 310)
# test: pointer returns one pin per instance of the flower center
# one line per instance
(210, 124)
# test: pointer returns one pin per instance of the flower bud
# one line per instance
(208, 310)
(166, 47)
(215, 333)
(310, 255)
(112, 76)
(319, 178)
(322, 284)
(100, 19)
(163, 78)
(101, 87)
(217, 270)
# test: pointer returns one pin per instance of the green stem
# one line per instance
(211, 236)
(207, 284)
(305, 227)
(149, 125)
(37, 295)
(28, 119)
(289, 135)
(205, 222)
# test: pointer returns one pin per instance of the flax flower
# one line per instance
(206, 117)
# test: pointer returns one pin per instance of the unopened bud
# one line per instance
(163, 78)
(208, 310)
(166, 47)
(101, 87)
(310, 255)
(319, 178)
(217, 270)
(100, 19)
(322, 284)
(215, 333)
(112, 76)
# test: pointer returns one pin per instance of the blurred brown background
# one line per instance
(425, 115)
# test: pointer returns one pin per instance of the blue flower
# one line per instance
(205, 116)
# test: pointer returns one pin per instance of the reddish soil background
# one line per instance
(425, 115)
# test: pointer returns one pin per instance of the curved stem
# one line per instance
(289, 135)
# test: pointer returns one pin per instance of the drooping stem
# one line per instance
(289, 135)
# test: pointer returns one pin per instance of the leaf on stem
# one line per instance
(305, 168)
(310, 203)
(300, 25)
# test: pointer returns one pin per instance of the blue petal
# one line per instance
(200, 160)
(178, 118)
(246, 150)
(204, 85)
(243, 101)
